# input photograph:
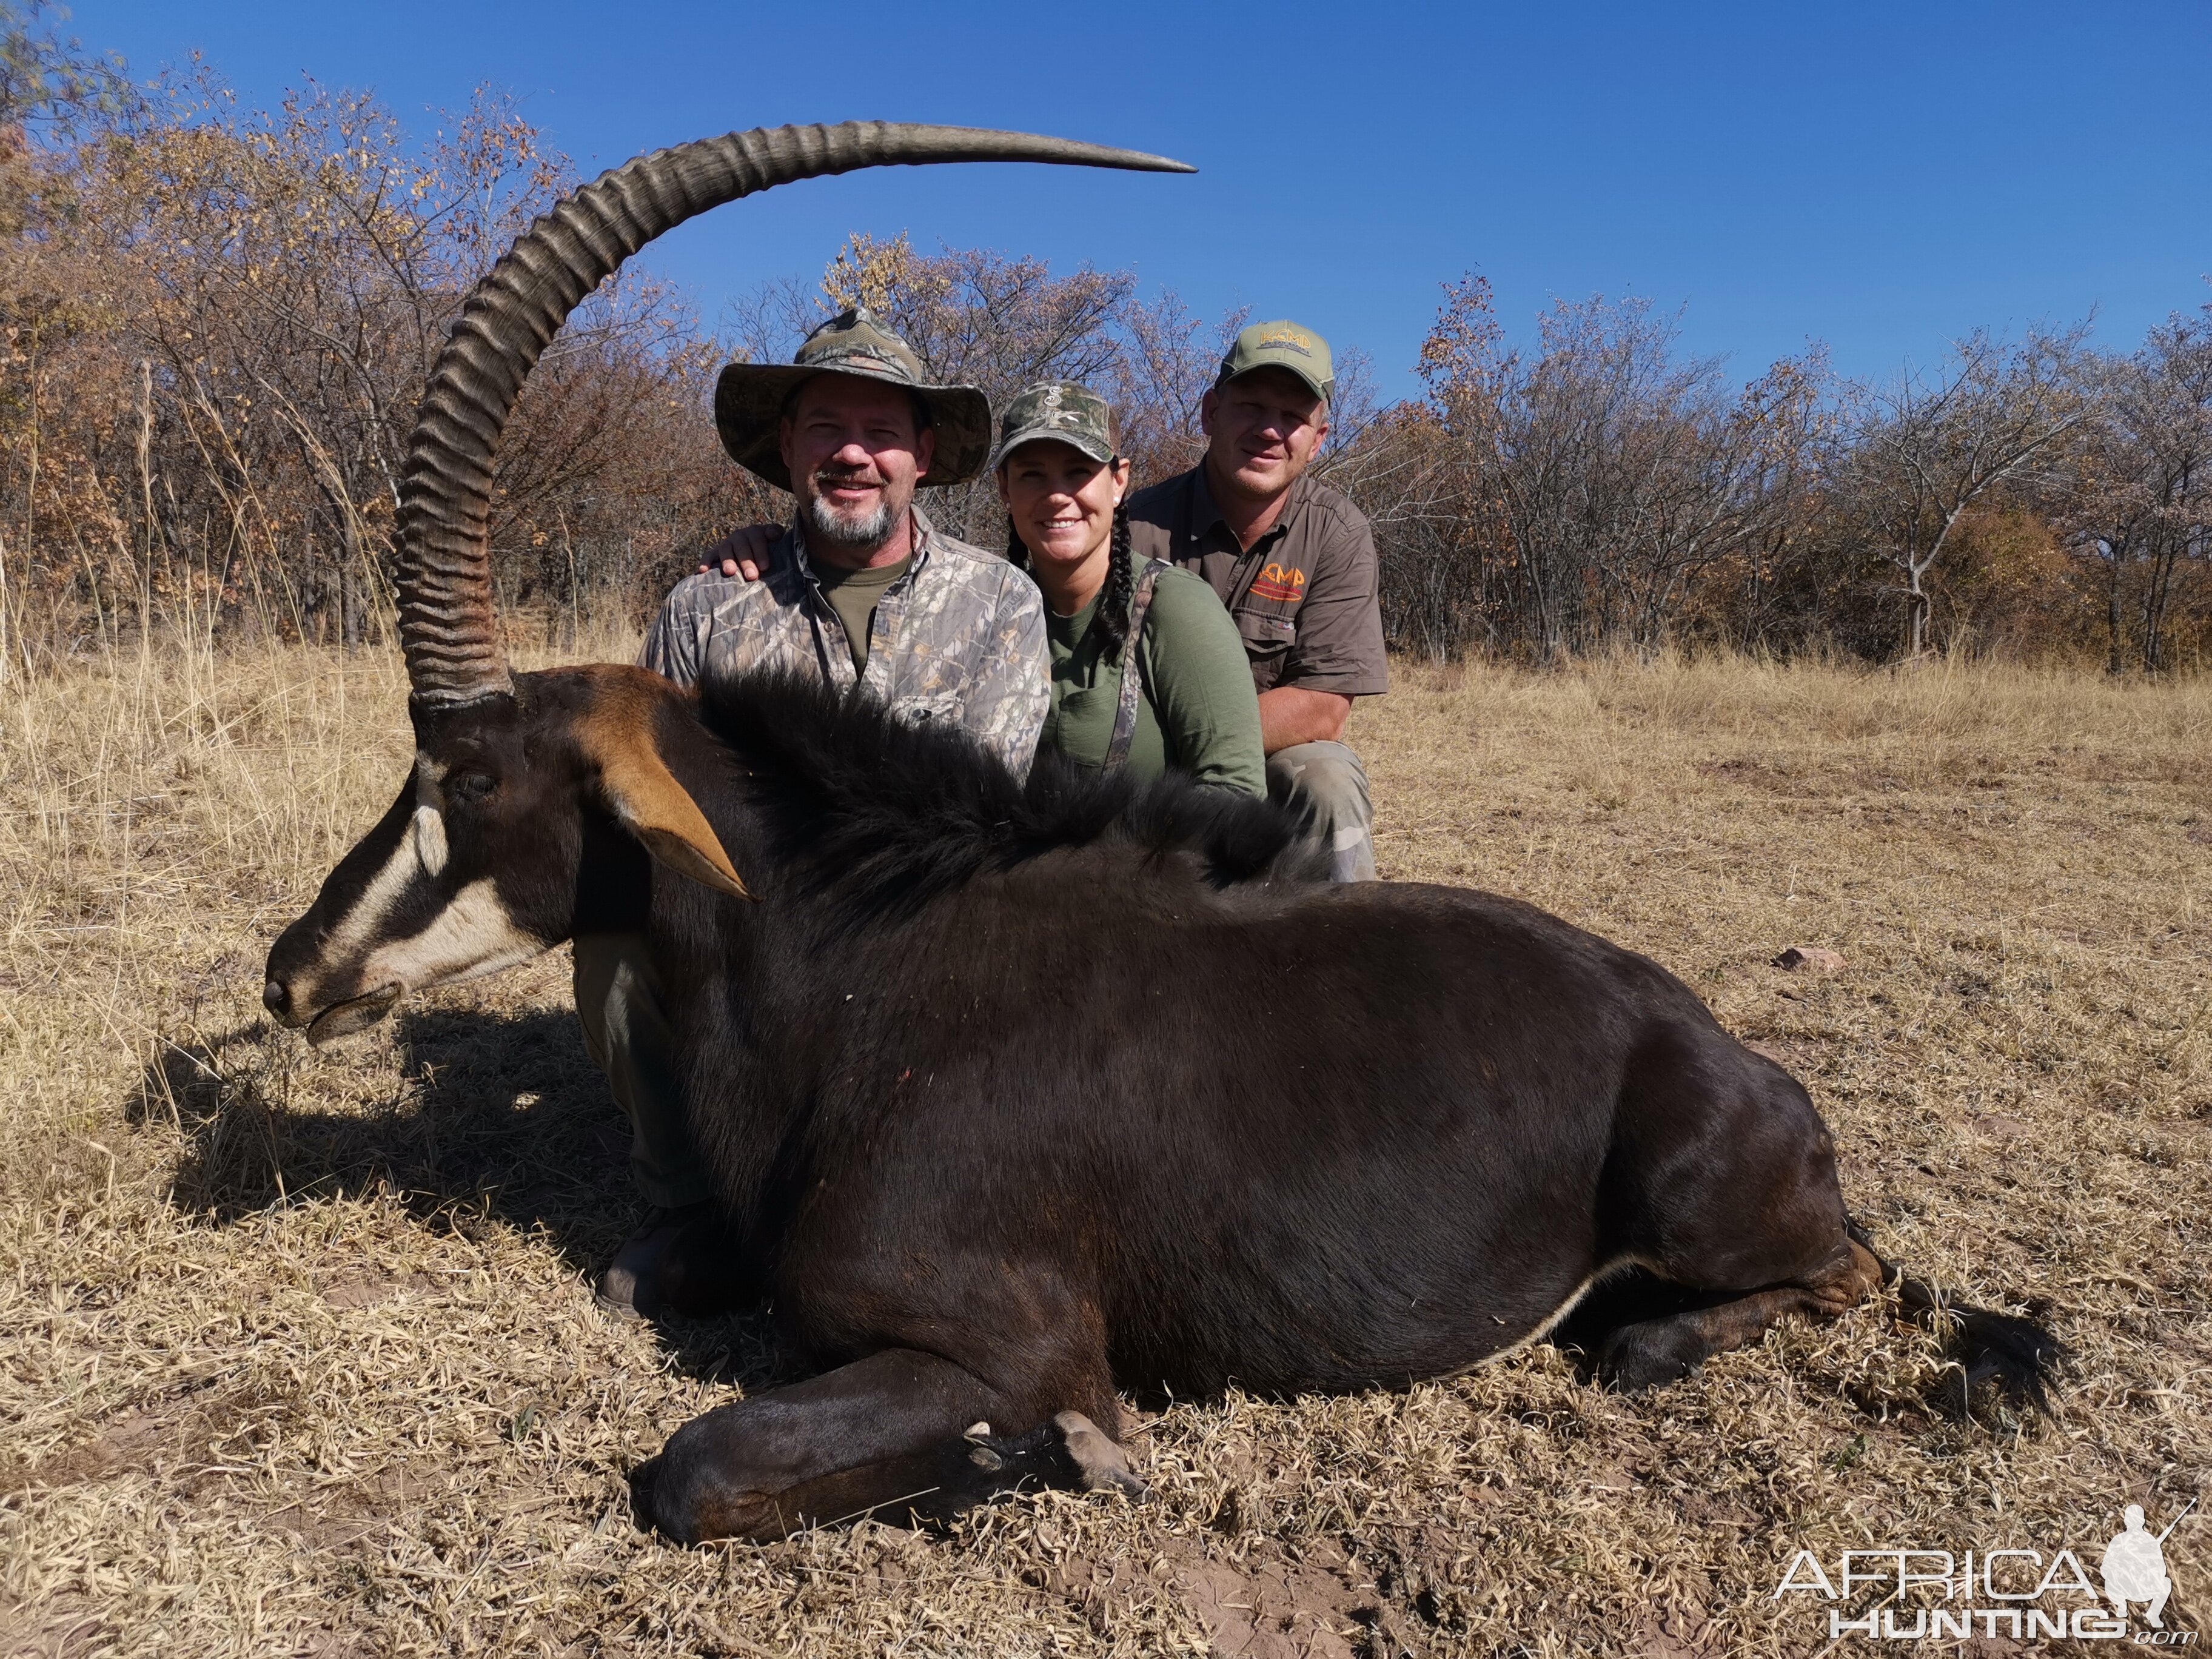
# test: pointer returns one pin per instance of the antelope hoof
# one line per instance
(1102, 1464)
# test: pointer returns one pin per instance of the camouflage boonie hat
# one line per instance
(1059, 410)
(1282, 345)
(748, 398)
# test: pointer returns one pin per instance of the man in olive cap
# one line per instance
(1295, 563)
(862, 591)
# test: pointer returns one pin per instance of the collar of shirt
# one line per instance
(1205, 515)
(833, 652)
(794, 542)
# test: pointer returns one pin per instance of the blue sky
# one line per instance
(1880, 177)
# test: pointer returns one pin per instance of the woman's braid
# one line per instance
(1112, 622)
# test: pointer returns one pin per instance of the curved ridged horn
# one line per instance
(446, 625)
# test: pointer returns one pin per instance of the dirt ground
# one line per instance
(298, 1353)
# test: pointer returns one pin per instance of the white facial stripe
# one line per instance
(429, 814)
(361, 923)
(431, 839)
(472, 936)
(359, 926)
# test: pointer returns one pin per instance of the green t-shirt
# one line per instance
(853, 595)
(1197, 714)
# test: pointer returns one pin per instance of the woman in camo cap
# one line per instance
(1147, 670)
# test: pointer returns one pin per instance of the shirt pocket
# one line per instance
(938, 708)
(1268, 635)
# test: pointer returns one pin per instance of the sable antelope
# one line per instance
(1012, 1093)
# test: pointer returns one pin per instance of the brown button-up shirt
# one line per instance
(1304, 598)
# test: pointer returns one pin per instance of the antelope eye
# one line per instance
(469, 787)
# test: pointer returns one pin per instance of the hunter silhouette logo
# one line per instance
(2134, 1567)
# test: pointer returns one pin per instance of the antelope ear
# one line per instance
(651, 805)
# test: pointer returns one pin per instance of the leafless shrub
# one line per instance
(1580, 494)
(2139, 505)
(1929, 449)
(217, 326)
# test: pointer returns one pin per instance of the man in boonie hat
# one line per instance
(862, 591)
(1295, 563)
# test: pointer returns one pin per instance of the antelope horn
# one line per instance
(446, 626)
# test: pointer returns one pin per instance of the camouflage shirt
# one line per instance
(959, 637)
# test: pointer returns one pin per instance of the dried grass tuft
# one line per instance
(298, 1353)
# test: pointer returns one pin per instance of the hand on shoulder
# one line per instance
(743, 554)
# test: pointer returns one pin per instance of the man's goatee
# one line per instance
(860, 535)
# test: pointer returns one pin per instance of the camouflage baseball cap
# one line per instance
(748, 398)
(1282, 345)
(1059, 410)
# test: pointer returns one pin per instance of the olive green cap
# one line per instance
(1059, 410)
(1282, 344)
(748, 398)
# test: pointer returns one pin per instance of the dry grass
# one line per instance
(297, 1352)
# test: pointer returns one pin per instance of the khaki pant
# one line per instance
(1328, 779)
(626, 1030)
